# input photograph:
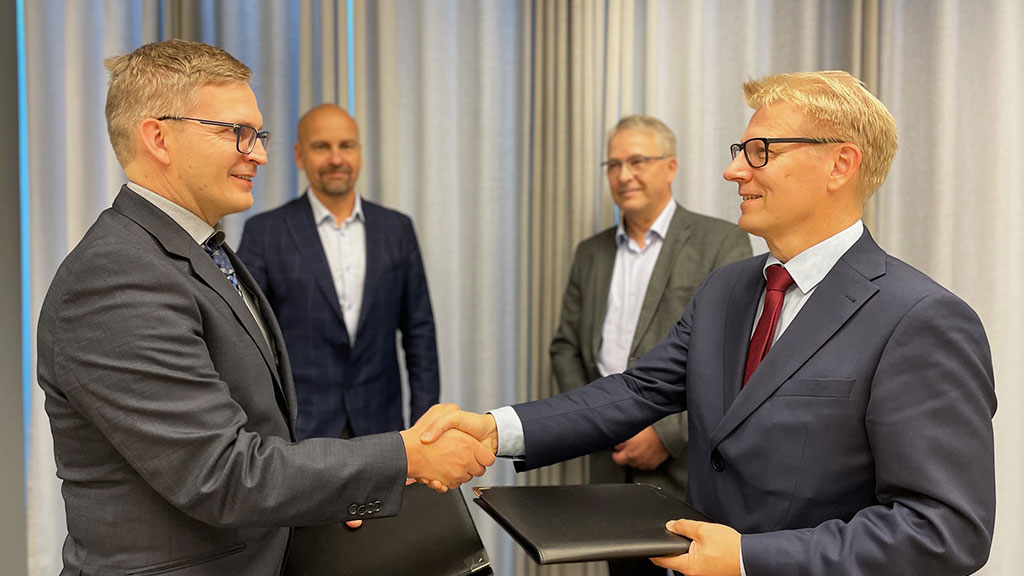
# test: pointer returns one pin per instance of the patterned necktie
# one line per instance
(778, 281)
(213, 248)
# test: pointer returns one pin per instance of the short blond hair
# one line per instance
(840, 107)
(642, 123)
(162, 79)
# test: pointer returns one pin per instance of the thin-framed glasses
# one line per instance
(755, 150)
(243, 133)
(635, 163)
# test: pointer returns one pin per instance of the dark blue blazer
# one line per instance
(861, 445)
(337, 383)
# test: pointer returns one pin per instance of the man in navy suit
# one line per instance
(343, 275)
(861, 442)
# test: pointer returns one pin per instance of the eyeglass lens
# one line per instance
(756, 152)
(247, 136)
(636, 164)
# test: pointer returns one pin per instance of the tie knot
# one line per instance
(214, 242)
(778, 278)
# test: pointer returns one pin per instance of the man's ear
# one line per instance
(154, 140)
(298, 157)
(673, 166)
(845, 166)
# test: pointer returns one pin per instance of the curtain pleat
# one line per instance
(486, 123)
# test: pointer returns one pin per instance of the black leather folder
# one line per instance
(557, 524)
(433, 535)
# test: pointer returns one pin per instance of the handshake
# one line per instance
(447, 447)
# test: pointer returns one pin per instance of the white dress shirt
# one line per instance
(345, 248)
(630, 276)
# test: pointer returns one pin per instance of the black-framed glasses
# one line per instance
(755, 150)
(635, 163)
(243, 133)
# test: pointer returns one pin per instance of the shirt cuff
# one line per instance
(511, 443)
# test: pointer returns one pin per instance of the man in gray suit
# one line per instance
(628, 285)
(840, 401)
(167, 384)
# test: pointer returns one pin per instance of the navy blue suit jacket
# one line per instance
(861, 445)
(337, 383)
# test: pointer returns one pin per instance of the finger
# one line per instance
(354, 523)
(679, 563)
(440, 425)
(410, 481)
(476, 469)
(437, 486)
(684, 527)
(620, 458)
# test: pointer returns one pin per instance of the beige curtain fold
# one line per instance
(486, 121)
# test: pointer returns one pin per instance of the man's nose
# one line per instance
(738, 170)
(259, 153)
(626, 172)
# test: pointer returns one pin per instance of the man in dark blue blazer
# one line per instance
(861, 442)
(343, 275)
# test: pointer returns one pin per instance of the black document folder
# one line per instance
(556, 524)
(433, 535)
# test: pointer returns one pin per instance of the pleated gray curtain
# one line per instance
(485, 122)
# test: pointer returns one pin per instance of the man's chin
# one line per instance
(337, 190)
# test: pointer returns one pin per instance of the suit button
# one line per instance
(353, 509)
(717, 462)
(362, 510)
(377, 506)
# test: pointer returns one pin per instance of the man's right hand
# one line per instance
(450, 459)
(479, 426)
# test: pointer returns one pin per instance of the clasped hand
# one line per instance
(443, 449)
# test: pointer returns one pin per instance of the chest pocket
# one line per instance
(817, 388)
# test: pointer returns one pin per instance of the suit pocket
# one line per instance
(817, 387)
(183, 563)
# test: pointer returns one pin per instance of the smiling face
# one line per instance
(328, 151)
(214, 179)
(788, 202)
(643, 194)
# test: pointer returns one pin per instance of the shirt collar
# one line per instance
(659, 228)
(195, 226)
(809, 267)
(321, 213)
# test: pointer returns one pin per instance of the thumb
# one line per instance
(440, 425)
(683, 527)
(483, 454)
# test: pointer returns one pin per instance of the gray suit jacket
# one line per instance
(172, 419)
(694, 246)
(861, 446)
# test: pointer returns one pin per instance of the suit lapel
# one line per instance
(310, 251)
(209, 273)
(375, 245)
(675, 239)
(739, 322)
(178, 243)
(604, 264)
(847, 287)
(278, 364)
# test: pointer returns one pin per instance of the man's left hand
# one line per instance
(715, 550)
(643, 451)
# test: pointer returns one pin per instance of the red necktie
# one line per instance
(778, 281)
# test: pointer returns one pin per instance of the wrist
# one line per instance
(412, 453)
